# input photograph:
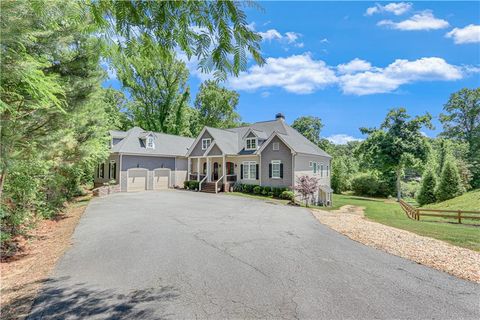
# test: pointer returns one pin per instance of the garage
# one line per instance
(161, 179)
(137, 180)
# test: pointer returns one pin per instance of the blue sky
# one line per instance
(350, 62)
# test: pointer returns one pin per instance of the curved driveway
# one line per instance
(185, 255)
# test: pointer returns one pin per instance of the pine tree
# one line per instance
(426, 194)
(450, 185)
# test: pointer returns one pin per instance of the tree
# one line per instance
(309, 127)
(450, 185)
(215, 32)
(53, 114)
(307, 186)
(216, 106)
(117, 109)
(339, 178)
(462, 122)
(158, 88)
(426, 194)
(397, 144)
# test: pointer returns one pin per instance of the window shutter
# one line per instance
(114, 170)
(281, 170)
(109, 170)
(269, 170)
(256, 171)
(98, 171)
(241, 171)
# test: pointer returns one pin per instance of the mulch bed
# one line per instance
(23, 273)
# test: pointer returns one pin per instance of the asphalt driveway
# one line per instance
(185, 255)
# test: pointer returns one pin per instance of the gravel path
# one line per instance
(350, 221)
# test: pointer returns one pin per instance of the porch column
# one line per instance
(189, 163)
(198, 169)
(209, 178)
(224, 170)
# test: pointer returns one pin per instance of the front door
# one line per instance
(215, 171)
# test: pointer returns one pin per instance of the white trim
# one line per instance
(275, 144)
(273, 135)
(210, 147)
(276, 162)
(251, 139)
(248, 131)
(149, 140)
(209, 140)
(195, 142)
(249, 165)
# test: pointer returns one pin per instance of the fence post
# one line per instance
(417, 214)
(459, 216)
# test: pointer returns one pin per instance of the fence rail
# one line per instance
(416, 213)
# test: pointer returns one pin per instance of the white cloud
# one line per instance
(424, 20)
(287, 38)
(468, 34)
(342, 138)
(265, 94)
(354, 66)
(301, 74)
(297, 74)
(397, 8)
(271, 34)
(382, 80)
(324, 40)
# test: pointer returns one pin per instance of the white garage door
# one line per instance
(137, 180)
(161, 179)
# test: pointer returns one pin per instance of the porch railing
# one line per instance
(200, 184)
(221, 183)
(231, 177)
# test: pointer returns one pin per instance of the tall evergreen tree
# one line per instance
(426, 194)
(449, 185)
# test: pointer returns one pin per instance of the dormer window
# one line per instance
(150, 143)
(206, 143)
(251, 144)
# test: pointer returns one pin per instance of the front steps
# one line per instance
(208, 187)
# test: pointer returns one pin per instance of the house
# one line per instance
(268, 153)
(142, 160)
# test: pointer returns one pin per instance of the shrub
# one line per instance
(426, 194)
(248, 188)
(257, 189)
(277, 192)
(270, 194)
(238, 187)
(450, 185)
(193, 185)
(266, 190)
(365, 184)
(288, 195)
(410, 189)
(186, 184)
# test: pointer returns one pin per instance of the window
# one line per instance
(321, 170)
(249, 170)
(251, 144)
(150, 144)
(276, 146)
(276, 169)
(314, 167)
(112, 174)
(310, 164)
(206, 143)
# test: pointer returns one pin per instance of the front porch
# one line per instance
(213, 172)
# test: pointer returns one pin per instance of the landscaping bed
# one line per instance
(23, 274)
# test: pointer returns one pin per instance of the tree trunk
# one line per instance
(3, 175)
(399, 184)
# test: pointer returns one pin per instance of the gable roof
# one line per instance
(165, 144)
(231, 140)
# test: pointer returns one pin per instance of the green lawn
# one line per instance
(389, 213)
(467, 201)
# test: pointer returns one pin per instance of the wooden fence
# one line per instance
(416, 213)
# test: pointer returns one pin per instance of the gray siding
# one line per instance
(150, 163)
(284, 154)
(197, 149)
(302, 168)
(215, 151)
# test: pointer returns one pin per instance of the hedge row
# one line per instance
(191, 184)
(281, 193)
